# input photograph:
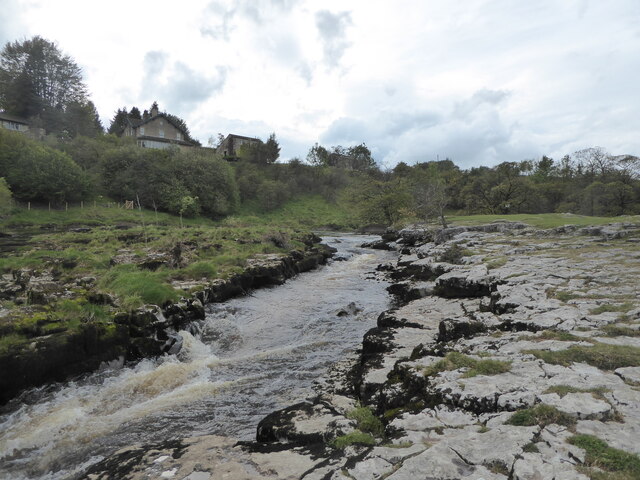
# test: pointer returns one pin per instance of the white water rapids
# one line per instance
(250, 356)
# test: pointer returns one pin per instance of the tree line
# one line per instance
(78, 161)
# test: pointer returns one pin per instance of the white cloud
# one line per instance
(482, 82)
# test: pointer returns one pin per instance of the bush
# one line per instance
(38, 173)
(367, 421)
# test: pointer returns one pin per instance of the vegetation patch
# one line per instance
(562, 295)
(367, 421)
(541, 415)
(600, 355)
(552, 335)
(496, 263)
(135, 288)
(601, 455)
(616, 330)
(562, 390)
(456, 360)
(623, 308)
(354, 438)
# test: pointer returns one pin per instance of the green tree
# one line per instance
(379, 201)
(135, 113)
(318, 155)
(119, 121)
(271, 149)
(82, 120)
(361, 157)
(430, 195)
(37, 79)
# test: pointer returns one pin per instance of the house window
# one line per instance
(141, 130)
(179, 136)
(161, 122)
(161, 133)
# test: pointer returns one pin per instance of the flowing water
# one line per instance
(250, 356)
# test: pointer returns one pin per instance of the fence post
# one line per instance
(49, 206)
(66, 206)
(81, 204)
(29, 206)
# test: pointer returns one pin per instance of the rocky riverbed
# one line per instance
(512, 353)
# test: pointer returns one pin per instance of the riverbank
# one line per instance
(513, 353)
(74, 296)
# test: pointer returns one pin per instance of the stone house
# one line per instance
(156, 130)
(18, 124)
(15, 124)
(229, 147)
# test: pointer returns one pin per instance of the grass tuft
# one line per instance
(367, 421)
(455, 360)
(607, 307)
(601, 455)
(600, 355)
(541, 415)
(354, 438)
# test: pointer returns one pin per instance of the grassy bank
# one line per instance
(85, 264)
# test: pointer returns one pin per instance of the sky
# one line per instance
(478, 81)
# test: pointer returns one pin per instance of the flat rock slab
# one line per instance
(630, 374)
(582, 406)
(206, 458)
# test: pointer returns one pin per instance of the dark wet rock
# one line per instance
(408, 291)
(456, 328)
(59, 356)
(420, 269)
(378, 245)
(173, 344)
(473, 282)
(303, 424)
(351, 309)
(413, 236)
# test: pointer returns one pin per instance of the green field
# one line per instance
(544, 220)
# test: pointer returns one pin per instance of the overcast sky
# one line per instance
(478, 81)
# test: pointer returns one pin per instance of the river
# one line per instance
(250, 356)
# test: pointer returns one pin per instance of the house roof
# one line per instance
(150, 119)
(13, 118)
(233, 135)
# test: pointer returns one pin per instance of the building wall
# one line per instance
(161, 128)
(230, 145)
(14, 126)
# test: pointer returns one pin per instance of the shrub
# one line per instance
(367, 421)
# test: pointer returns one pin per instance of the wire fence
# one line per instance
(126, 205)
